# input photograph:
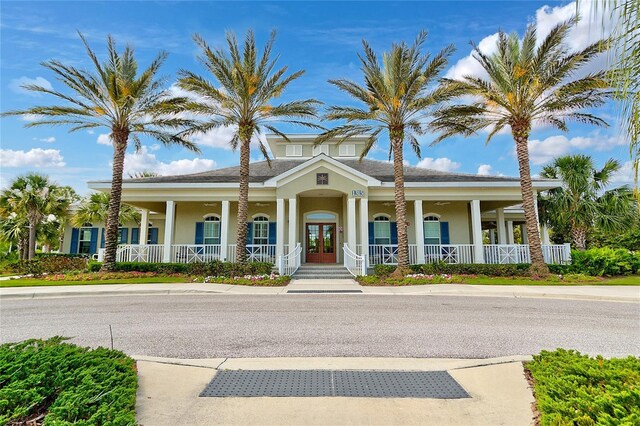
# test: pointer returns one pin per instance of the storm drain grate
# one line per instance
(322, 291)
(316, 383)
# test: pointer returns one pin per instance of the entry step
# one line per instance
(322, 271)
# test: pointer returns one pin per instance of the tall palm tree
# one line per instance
(396, 99)
(33, 197)
(94, 208)
(242, 96)
(582, 204)
(127, 102)
(14, 229)
(527, 82)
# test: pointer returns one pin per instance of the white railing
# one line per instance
(151, 253)
(448, 253)
(255, 253)
(387, 254)
(191, 253)
(520, 253)
(355, 263)
(559, 254)
(290, 262)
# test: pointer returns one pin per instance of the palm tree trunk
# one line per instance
(521, 137)
(243, 201)
(120, 139)
(401, 206)
(33, 223)
(579, 238)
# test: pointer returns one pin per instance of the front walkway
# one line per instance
(601, 293)
(169, 389)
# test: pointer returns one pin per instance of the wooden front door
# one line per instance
(321, 242)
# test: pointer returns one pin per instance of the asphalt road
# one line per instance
(328, 325)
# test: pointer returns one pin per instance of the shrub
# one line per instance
(574, 389)
(383, 270)
(605, 261)
(53, 264)
(68, 383)
(215, 268)
(509, 270)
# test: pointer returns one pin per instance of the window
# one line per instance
(321, 216)
(322, 178)
(211, 230)
(321, 149)
(382, 230)
(431, 229)
(294, 150)
(347, 150)
(84, 241)
(260, 230)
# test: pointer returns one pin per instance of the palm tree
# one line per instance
(13, 230)
(94, 208)
(143, 174)
(127, 102)
(527, 83)
(33, 197)
(242, 97)
(396, 98)
(582, 204)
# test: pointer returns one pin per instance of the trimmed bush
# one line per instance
(66, 383)
(53, 264)
(215, 268)
(509, 270)
(574, 389)
(605, 261)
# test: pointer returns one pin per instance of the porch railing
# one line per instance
(191, 253)
(151, 253)
(448, 253)
(355, 263)
(255, 253)
(290, 262)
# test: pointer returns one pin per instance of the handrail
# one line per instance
(290, 262)
(355, 264)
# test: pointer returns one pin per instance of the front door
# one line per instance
(321, 242)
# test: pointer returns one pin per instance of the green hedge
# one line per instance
(72, 385)
(574, 389)
(509, 270)
(214, 269)
(53, 264)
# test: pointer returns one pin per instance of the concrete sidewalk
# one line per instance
(169, 389)
(599, 293)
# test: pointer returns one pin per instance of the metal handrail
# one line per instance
(355, 264)
(290, 262)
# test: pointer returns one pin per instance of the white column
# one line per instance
(510, 239)
(280, 221)
(523, 231)
(224, 230)
(492, 236)
(170, 211)
(544, 231)
(364, 228)
(293, 223)
(144, 227)
(351, 224)
(502, 237)
(417, 208)
(476, 232)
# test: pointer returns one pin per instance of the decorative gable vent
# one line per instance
(347, 150)
(294, 150)
(321, 149)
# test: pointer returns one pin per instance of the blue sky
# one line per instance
(321, 37)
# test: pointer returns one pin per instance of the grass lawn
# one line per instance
(633, 280)
(574, 389)
(36, 282)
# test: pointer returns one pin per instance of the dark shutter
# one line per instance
(93, 246)
(272, 232)
(199, 233)
(153, 236)
(102, 240)
(372, 237)
(124, 235)
(444, 232)
(75, 236)
(249, 232)
(135, 236)
(394, 233)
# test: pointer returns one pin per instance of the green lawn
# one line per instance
(35, 282)
(627, 280)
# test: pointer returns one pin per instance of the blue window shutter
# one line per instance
(135, 236)
(199, 233)
(272, 232)
(93, 246)
(444, 232)
(394, 233)
(124, 236)
(372, 237)
(249, 232)
(75, 236)
(153, 236)
(102, 240)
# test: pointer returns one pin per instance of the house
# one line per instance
(321, 204)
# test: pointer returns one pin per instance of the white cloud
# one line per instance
(17, 83)
(36, 157)
(469, 65)
(485, 170)
(155, 147)
(144, 160)
(50, 139)
(442, 164)
(30, 117)
(104, 139)
(543, 151)
(625, 174)
(91, 131)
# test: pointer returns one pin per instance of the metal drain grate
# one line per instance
(310, 383)
(323, 291)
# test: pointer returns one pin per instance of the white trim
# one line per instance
(224, 230)
(260, 215)
(549, 184)
(346, 150)
(293, 150)
(208, 215)
(424, 216)
(376, 215)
